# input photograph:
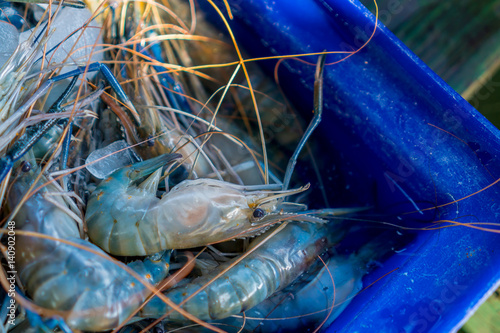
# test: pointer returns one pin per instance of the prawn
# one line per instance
(332, 286)
(124, 218)
(270, 267)
(97, 293)
(15, 83)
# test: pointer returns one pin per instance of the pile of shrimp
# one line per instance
(143, 186)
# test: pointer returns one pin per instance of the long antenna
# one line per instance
(318, 110)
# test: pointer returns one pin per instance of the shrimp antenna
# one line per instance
(67, 3)
(41, 32)
(57, 45)
(318, 110)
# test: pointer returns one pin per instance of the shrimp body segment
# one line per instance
(271, 267)
(126, 219)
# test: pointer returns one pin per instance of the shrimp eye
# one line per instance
(258, 213)
(25, 166)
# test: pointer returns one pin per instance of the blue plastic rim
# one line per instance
(400, 139)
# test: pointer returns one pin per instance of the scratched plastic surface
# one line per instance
(384, 142)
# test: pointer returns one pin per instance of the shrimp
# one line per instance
(333, 287)
(270, 267)
(96, 293)
(126, 219)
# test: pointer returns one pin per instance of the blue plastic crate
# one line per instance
(384, 126)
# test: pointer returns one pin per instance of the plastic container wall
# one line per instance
(396, 136)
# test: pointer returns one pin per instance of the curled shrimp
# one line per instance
(96, 293)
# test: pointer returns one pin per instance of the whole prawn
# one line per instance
(96, 293)
(126, 219)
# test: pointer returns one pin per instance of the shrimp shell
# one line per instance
(126, 219)
(271, 267)
(97, 293)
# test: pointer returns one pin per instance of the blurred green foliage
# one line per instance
(487, 317)
(459, 40)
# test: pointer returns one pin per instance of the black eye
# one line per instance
(25, 166)
(258, 213)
